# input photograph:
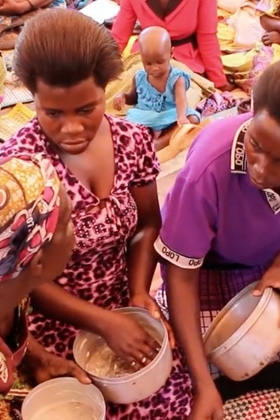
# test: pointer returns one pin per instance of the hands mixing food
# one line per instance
(130, 341)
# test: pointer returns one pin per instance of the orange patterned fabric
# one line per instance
(29, 208)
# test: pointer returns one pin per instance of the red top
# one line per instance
(181, 18)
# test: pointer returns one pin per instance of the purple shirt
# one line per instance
(214, 210)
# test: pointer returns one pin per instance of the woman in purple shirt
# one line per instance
(221, 225)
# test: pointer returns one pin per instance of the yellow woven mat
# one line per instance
(2, 75)
(11, 122)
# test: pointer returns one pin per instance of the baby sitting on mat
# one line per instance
(158, 92)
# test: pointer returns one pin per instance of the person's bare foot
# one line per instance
(270, 38)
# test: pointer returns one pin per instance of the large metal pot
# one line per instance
(136, 386)
(245, 336)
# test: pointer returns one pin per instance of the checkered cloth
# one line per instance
(259, 405)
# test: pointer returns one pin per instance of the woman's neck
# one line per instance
(164, 3)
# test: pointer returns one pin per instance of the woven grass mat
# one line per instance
(15, 94)
(11, 122)
(258, 405)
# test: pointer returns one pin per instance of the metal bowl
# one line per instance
(245, 336)
(55, 392)
(136, 386)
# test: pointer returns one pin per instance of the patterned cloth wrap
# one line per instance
(29, 209)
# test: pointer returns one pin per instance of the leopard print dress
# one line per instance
(97, 270)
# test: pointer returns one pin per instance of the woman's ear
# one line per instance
(171, 52)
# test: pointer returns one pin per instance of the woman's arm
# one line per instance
(184, 310)
(142, 257)
(131, 97)
(123, 26)
(45, 365)
(122, 99)
(19, 7)
(121, 333)
(208, 44)
(270, 24)
(56, 303)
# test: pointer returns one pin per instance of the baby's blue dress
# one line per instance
(155, 109)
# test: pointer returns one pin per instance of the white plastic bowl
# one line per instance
(245, 336)
(62, 390)
(137, 386)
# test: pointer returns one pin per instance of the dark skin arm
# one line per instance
(270, 277)
(142, 260)
(270, 24)
(19, 7)
(272, 27)
(142, 257)
(129, 98)
(45, 365)
(121, 333)
(183, 302)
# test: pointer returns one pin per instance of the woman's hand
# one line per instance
(129, 340)
(271, 278)
(270, 38)
(208, 404)
(45, 365)
(52, 366)
(145, 301)
(227, 88)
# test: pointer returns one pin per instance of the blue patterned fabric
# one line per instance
(154, 109)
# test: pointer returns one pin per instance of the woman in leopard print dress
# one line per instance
(108, 167)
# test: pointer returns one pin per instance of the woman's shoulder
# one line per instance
(28, 139)
(135, 143)
(130, 136)
(120, 125)
(211, 150)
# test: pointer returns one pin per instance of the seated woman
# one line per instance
(226, 231)
(270, 21)
(192, 26)
(108, 167)
(35, 225)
